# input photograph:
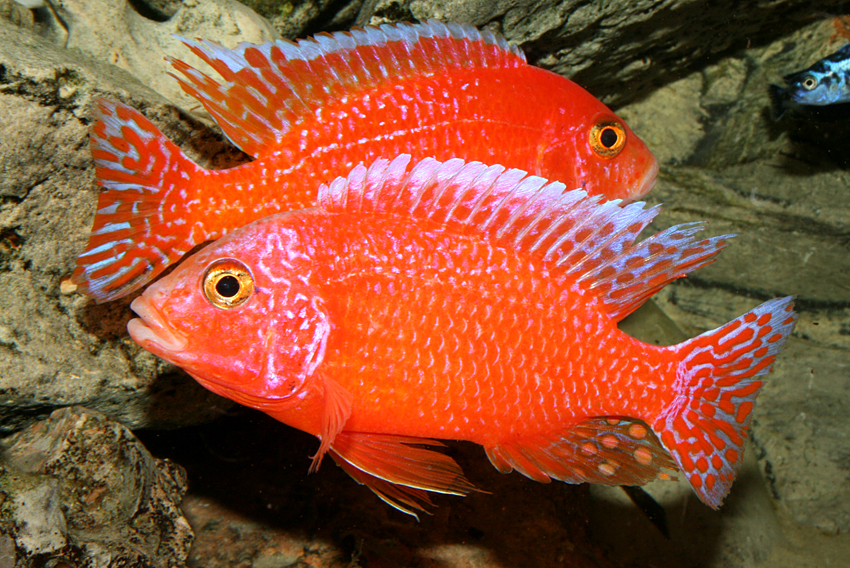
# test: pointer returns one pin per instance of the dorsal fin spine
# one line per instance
(591, 240)
(283, 81)
(532, 186)
(483, 182)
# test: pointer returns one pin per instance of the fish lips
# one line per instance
(152, 331)
(647, 181)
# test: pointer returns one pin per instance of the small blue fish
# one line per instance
(824, 83)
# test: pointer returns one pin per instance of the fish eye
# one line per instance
(227, 284)
(607, 138)
(810, 82)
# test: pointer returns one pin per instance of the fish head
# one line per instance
(601, 154)
(240, 315)
(813, 87)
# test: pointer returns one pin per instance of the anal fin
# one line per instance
(603, 450)
(398, 469)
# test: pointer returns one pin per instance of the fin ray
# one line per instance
(592, 239)
(269, 87)
(602, 450)
(337, 409)
(130, 241)
(406, 499)
(402, 461)
(705, 426)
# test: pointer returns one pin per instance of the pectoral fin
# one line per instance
(336, 410)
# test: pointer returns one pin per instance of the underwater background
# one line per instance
(112, 457)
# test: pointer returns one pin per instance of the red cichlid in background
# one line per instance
(309, 110)
(460, 301)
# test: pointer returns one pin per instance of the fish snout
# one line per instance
(646, 182)
(152, 327)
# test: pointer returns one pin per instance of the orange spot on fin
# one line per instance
(270, 87)
(705, 426)
(133, 238)
(587, 237)
(593, 451)
(398, 469)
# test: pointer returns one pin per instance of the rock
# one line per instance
(299, 19)
(138, 41)
(57, 349)
(621, 50)
(81, 489)
(785, 197)
(698, 82)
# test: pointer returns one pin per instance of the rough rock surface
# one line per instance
(698, 81)
(606, 46)
(782, 187)
(138, 42)
(79, 488)
(59, 349)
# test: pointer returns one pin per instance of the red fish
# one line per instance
(460, 301)
(309, 110)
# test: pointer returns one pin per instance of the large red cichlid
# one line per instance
(460, 301)
(307, 111)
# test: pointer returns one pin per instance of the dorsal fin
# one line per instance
(271, 86)
(589, 238)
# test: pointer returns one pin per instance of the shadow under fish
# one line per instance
(824, 83)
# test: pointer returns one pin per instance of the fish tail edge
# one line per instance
(132, 239)
(706, 424)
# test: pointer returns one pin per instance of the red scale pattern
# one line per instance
(469, 325)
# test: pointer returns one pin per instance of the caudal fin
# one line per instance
(136, 232)
(705, 426)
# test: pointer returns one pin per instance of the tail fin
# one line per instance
(134, 236)
(705, 426)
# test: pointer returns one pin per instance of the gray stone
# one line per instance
(58, 349)
(295, 19)
(621, 50)
(698, 80)
(114, 32)
(80, 489)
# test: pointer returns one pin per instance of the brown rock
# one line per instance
(81, 489)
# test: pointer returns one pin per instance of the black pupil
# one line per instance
(609, 137)
(227, 286)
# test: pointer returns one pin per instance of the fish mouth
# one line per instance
(152, 331)
(647, 181)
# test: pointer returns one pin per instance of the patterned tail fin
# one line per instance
(705, 426)
(137, 231)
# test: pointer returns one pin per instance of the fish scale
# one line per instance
(508, 319)
(506, 282)
(309, 110)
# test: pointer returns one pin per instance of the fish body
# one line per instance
(309, 110)
(460, 301)
(824, 83)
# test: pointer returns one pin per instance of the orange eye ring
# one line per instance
(227, 284)
(607, 138)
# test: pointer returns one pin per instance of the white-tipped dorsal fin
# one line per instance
(269, 87)
(587, 237)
